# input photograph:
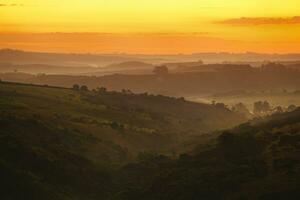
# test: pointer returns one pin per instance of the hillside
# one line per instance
(58, 143)
(130, 67)
(256, 160)
(69, 59)
(46, 69)
(194, 84)
(22, 57)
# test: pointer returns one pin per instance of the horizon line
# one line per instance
(150, 54)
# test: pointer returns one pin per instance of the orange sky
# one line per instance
(151, 26)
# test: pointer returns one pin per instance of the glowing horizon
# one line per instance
(144, 26)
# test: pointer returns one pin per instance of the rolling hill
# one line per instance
(192, 84)
(256, 160)
(59, 143)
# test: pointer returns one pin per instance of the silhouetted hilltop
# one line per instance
(21, 57)
(213, 68)
(25, 57)
(268, 77)
(46, 69)
(130, 67)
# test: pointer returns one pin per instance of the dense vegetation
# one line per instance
(256, 160)
(280, 97)
(59, 143)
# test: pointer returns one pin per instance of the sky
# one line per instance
(151, 26)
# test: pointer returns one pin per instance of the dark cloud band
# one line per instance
(10, 5)
(246, 21)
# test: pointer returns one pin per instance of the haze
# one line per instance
(149, 100)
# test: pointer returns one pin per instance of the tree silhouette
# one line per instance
(84, 88)
(161, 70)
(241, 108)
(102, 90)
(261, 107)
(291, 108)
(75, 87)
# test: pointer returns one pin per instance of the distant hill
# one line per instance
(182, 68)
(177, 84)
(45, 69)
(26, 57)
(101, 60)
(130, 67)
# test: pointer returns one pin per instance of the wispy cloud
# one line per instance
(248, 21)
(10, 5)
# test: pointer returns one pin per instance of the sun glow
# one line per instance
(145, 26)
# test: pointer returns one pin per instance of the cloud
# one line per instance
(248, 21)
(11, 5)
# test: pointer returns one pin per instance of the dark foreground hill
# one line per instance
(256, 160)
(58, 143)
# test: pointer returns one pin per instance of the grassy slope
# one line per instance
(256, 160)
(58, 143)
(114, 116)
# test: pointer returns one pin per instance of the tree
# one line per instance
(181, 99)
(257, 108)
(278, 109)
(266, 106)
(261, 107)
(102, 90)
(200, 62)
(241, 108)
(273, 67)
(84, 88)
(161, 70)
(220, 105)
(75, 87)
(291, 108)
(114, 125)
(129, 92)
(124, 91)
(284, 91)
